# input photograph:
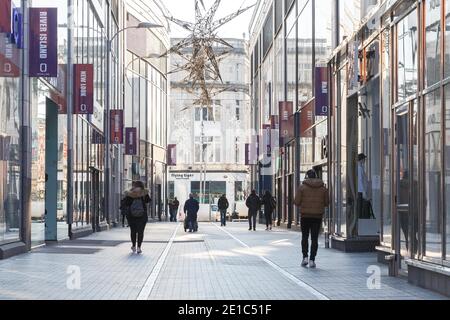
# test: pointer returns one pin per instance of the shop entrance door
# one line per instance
(405, 180)
(51, 171)
(94, 208)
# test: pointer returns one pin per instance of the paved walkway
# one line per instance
(216, 264)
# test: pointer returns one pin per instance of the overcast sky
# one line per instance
(185, 10)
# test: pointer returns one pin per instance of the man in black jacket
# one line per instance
(253, 204)
(191, 208)
(223, 206)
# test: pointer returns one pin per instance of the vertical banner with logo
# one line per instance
(116, 124)
(43, 33)
(321, 91)
(286, 121)
(131, 141)
(5, 16)
(266, 139)
(83, 89)
(9, 58)
(172, 155)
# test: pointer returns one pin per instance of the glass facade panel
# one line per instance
(447, 168)
(432, 42)
(433, 175)
(10, 159)
(387, 138)
(407, 56)
(447, 40)
(305, 58)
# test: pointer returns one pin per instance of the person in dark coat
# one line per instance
(191, 208)
(223, 206)
(269, 206)
(135, 205)
(253, 204)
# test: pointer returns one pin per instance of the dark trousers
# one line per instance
(268, 215)
(223, 217)
(192, 218)
(173, 215)
(252, 219)
(310, 226)
(137, 228)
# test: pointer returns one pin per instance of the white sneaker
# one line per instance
(312, 264)
(133, 249)
(305, 262)
(139, 251)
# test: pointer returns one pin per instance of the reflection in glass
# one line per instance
(407, 55)
(433, 44)
(433, 174)
(447, 168)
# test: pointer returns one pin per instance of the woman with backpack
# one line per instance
(269, 206)
(135, 207)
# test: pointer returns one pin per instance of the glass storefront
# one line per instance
(402, 129)
(10, 159)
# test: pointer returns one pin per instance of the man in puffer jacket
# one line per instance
(312, 198)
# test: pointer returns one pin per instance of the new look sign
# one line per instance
(43, 42)
(84, 89)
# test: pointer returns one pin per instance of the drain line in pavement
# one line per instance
(294, 279)
(151, 280)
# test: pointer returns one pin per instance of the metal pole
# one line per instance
(106, 125)
(25, 230)
(69, 205)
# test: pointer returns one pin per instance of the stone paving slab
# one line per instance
(209, 265)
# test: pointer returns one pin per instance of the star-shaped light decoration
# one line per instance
(197, 50)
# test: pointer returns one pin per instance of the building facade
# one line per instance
(53, 151)
(389, 100)
(210, 140)
(387, 85)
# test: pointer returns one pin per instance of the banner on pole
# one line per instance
(43, 33)
(116, 125)
(131, 141)
(321, 91)
(286, 122)
(172, 155)
(83, 89)
(9, 58)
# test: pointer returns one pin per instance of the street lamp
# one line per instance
(142, 25)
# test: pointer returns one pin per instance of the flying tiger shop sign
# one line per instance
(43, 42)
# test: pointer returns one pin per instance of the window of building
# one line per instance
(304, 83)
(432, 42)
(278, 14)
(407, 56)
(447, 39)
(239, 191)
(268, 32)
(238, 114)
(210, 152)
(433, 175)
(447, 168)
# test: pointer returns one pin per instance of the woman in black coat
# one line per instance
(269, 206)
(134, 205)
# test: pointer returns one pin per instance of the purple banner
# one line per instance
(131, 141)
(83, 89)
(286, 122)
(321, 91)
(172, 155)
(266, 140)
(116, 118)
(43, 42)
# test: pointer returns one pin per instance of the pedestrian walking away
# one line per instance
(135, 205)
(312, 198)
(191, 208)
(173, 207)
(269, 206)
(223, 207)
(253, 204)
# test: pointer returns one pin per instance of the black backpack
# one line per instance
(137, 209)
